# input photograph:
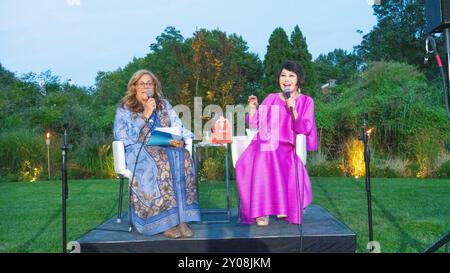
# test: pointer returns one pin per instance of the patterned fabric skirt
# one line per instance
(164, 191)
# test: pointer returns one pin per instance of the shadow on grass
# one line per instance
(330, 200)
(57, 215)
(406, 238)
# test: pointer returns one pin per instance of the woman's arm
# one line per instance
(128, 130)
(175, 121)
(252, 118)
(305, 124)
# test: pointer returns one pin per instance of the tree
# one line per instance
(278, 51)
(7, 78)
(338, 64)
(169, 59)
(223, 68)
(399, 34)
(301, 55)
(211, 64)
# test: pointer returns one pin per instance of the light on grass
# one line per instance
(210, 95)
(29, 173)
(354, 153)
(47, 141)
(423, 166)
(36, 175)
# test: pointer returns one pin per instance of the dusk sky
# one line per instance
(77, 38)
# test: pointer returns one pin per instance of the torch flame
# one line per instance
(48, 135)
(370, 131)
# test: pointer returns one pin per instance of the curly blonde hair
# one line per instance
(130, 100)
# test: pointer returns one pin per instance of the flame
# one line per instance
(370, 131)
(48, 135)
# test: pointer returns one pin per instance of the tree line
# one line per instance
(384, 75)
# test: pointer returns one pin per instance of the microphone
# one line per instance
(150, 94)
(287, 95)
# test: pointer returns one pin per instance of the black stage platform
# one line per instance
(321, 233)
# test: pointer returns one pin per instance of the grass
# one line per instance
(408, 214)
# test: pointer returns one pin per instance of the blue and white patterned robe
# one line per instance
(164, 189)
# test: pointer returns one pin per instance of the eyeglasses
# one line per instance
(144, 84)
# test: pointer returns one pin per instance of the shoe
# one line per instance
(172, 233)
(262, 221)
(281, 216)
(185, 230)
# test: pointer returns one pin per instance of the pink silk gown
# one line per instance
(265, 172)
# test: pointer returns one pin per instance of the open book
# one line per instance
(162, 136)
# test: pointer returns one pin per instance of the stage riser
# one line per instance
(321, 233)
(325, 244)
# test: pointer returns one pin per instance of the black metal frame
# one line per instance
(364, 137)
(215, 211)
(119, 208)
(64, 188)
(446, 84)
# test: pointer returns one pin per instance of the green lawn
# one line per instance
(408, 214)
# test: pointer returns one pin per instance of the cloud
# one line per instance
(73, 2)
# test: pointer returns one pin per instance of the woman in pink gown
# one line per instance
(265, 172)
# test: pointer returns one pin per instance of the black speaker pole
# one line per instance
(446, 238)
(437, 14)
(446, 76)
(64, 191)
(368, 186)
(365, 139)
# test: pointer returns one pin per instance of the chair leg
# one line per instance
(239, 210)
(130, 224)
(119, 209)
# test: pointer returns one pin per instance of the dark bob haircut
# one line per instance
(293, 67)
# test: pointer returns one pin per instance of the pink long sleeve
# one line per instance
(305, 124)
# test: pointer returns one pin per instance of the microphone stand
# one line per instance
(365, 139)
(287, 95)
(65, 189)
(446, 83)
(130, 184)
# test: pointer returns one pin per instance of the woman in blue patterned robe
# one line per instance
(164, 190)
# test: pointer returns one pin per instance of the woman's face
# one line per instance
(288, 79)
(143, 85)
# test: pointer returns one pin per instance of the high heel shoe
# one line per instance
(262, 221)
(282, 216)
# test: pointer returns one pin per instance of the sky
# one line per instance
(75, 39)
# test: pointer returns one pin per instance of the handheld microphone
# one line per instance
(150, 94)
(287, 95)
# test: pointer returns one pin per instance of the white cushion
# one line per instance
(238, 146)
(119, 159)
(300, 144)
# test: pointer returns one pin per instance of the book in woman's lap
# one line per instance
(162, 136)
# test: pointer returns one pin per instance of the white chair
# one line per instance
(188, 146)
(124, 173)
(240, 143)
(238, 146)
(121, 170)
(300, 145)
